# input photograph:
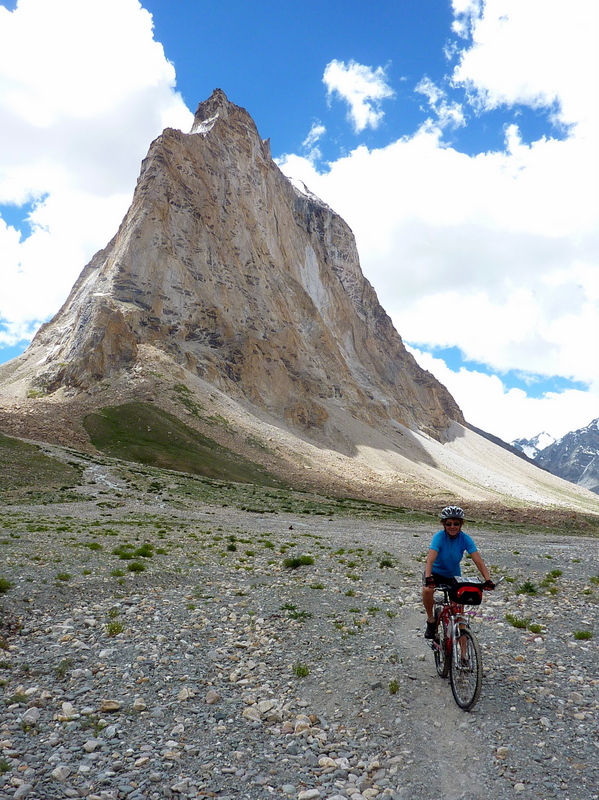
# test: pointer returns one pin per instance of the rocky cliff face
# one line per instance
(241, 280)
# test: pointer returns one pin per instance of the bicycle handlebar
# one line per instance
(473, 580)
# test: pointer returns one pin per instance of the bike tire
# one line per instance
(442, 657)
(466, 680)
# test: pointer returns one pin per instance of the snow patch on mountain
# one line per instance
(532, 447)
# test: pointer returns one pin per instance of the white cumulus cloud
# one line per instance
(83, 89)
(495, 253)
(510, 413)
(362, 88)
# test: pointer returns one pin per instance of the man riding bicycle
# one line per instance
(445, 553)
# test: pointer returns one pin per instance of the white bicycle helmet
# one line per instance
(452, 512)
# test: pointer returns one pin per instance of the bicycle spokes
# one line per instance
(466, 670)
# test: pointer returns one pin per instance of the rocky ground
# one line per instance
(156, 646)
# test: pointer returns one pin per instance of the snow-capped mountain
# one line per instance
(574, 457)
(532, 447)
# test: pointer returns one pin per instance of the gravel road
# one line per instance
(211, 669)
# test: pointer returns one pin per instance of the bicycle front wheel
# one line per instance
(466, 673)
(442, 658)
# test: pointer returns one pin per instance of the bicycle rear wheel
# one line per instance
(442, 657)
(466, 673)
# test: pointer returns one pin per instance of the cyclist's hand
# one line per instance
(430, 581)
(489, 585)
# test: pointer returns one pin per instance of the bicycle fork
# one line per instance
(459, 641)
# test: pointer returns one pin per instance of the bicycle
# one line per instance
(455, 647)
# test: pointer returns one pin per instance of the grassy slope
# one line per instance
(25, 469)
(208, 473)
(146, 434)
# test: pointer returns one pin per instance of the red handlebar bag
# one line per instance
(466, 591)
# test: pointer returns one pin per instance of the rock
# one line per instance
(309, 794)
(109, 706)
(212, 697)
(91, 745)
(31, 716)
(325, 761)
(24, 790)
(139, 704)
(68, 712)
(251, 713)
(61, 773)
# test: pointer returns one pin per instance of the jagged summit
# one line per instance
(208, 111)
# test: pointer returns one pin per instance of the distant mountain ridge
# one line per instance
(532, 447)
(574, 457)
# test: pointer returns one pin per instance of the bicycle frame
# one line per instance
(452, 616)
(456, 651)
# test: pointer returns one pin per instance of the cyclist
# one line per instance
(443, 560)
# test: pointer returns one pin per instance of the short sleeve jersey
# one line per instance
(450, 552)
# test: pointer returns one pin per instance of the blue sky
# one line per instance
(456, 137)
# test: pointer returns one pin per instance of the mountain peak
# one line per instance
(532, 447)
(574, 457)
(208, 111)
(247, 283)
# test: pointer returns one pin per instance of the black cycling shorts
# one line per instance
(439, 579)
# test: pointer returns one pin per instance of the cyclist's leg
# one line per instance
(462, 640)
(428, 601)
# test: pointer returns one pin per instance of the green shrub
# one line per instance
(5, 585)
(518, 622)
(298, 561)
(135, 566)
(114, 628)
(583, 635)
(299, 615)
(535, 628)
(301, 670)
(63, 667)
(64, 576)
(393, 687)
(527, 588)
(386, 562)
(145, 551)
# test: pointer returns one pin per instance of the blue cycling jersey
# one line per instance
(450, 552)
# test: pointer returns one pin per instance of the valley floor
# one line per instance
(165, 648)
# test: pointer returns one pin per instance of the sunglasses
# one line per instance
(452, 524)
